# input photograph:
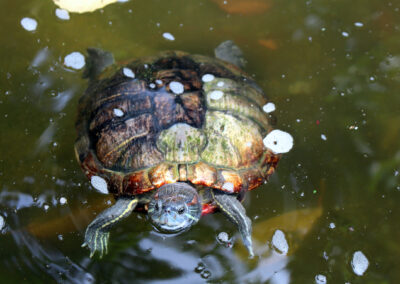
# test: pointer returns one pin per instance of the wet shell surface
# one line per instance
(174, 117)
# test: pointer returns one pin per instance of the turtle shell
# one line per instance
(174, 117)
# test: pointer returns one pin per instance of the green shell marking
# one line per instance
(232, 141)
(181, 143)
(226, 94)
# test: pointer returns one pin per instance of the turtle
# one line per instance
(175, 135)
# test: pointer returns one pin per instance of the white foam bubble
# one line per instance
(118, 112)
(2, 223)
(100, 184)
(279, 242)
(269, 107)
(223, 237)
(62, 14)
(228, 186)
(358, 24)
(29, 24)
(320, 279)
(323, 137)
(278, 141)
(63, 200)
(216, 95)
(75, 60)
(359, 263)
(345, 34)
(128, 72)
(168, 36)
(220, 84)
(207, 77)
(176, 87)
(152, 85)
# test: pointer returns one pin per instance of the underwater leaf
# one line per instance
(295, 225)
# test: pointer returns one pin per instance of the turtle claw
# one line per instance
(97, 241)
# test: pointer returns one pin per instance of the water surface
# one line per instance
(332, 68)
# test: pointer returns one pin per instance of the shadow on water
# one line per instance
(328, 215)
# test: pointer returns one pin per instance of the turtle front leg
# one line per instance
(97, 233)
(234, 210)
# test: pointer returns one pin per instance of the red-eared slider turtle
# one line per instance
(176, 135)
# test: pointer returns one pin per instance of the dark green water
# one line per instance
(331, 67)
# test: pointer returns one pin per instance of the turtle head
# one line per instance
(175, 207)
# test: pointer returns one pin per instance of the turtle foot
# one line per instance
(96, 241)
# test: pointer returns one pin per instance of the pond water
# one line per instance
(330, 213)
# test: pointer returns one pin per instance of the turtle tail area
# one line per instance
(96, 61)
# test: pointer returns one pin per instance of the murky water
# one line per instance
(332, 68)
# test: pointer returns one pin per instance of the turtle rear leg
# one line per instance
(234, 210)
(97, 233)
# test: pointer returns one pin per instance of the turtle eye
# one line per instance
(181, 210)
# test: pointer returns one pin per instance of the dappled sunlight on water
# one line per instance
(330, 212)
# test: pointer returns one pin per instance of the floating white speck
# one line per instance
(2, 222)
(358, 24)
(332, 225)
(128, 72)
(228, 186)
(158, 82)
(223, 237)
(278, 141)
(269, 107)
(220, 84)
(359, 263)
(323, 137)
(168, 36)
(279, 242)
(176, 87)
(29, 24)
(46, 207)
(320, 279)
(63, 200)
(207, 77)
(100, 184)
(75, 60)
(152, 85)
(216, 95)
(118, 112)
(62, 14)
(345, 34)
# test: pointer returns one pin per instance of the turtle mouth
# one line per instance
(174, 208)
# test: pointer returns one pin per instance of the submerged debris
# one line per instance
(279, 242)
(359, 263)
(278, 141)
(2, 223)
(29, 24)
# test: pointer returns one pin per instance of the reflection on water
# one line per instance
(329, 214)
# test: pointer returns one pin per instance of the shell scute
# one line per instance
(137, 183)
(202, 174)
(181, 143)
(164, 173)
(115, 139)
(229, 181)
